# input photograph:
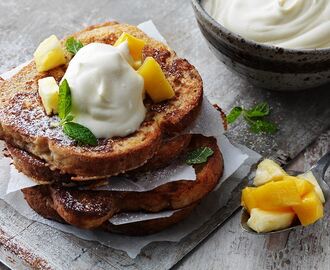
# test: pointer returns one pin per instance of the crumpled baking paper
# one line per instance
(208, 123)
(133, 245)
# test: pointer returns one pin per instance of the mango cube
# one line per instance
(49, 54)
(48, 91)
(267, 221)
(248, 201)
(155, 82)
(303, 185)
(311, 178)
(274, 195)
(278, 196)
(135, 45)
(268, 170)
(310, 210)
(137, 64)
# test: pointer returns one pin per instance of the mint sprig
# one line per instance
(263, 126)
(199, 155)
(72, 45)
(234, 114)
(255, 118)
(259, 110)
(64, 100)
(79, 133)
(82, 135)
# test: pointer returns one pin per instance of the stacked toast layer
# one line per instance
(40, 172)
(91, 209)
(71, 176)
(25, 125)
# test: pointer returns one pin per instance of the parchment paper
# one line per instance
(133, 245)
(208, 123)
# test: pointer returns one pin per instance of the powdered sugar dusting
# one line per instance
(24, 112)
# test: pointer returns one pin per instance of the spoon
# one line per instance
(319, 170)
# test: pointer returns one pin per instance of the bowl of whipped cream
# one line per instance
(275, 44)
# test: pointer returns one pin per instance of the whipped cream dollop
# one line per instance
(107, 93)
(295, 24)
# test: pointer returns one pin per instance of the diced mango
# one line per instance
(268, 170)
(49, 54)
(267, 221)
(137, 64)
(310, 210)
(48, 91)
(303, 185)
(135, 45)
(247, 200)
(155, 82)
(279, 196)
(311, 178)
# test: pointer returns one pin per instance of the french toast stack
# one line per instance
(70, 176)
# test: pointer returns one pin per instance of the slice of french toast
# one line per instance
(91, 208)
(25, 125)
(41, 203)
(39, 171)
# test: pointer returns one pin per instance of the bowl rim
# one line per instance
(197, 4)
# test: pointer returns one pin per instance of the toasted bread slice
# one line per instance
(91, 208)
(25, 125)
(39, 171)
(41, 202)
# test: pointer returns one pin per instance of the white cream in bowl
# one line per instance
(295, 24)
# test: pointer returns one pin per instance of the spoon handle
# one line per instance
(321, 166)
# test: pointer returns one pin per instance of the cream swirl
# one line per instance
(296, 24)
(107, 93)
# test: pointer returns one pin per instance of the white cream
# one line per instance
(295, 24)
(107, 93)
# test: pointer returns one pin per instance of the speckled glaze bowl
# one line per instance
(265, 66)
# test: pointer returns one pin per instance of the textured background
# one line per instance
(302, 117)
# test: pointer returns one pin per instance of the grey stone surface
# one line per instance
(302, 117)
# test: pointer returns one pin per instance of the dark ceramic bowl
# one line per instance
(265, 66)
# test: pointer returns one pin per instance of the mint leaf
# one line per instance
(64, 100)
(69, 118)
(79, 133)
(234, 114)
(72, 45)
(75, 131)
(260, 110)
(259, 126)
(255, 118)
(199, 155)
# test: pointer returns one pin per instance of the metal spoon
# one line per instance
(319, 170)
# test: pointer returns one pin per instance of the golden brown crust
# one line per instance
(40, 172)
(40, 201)
(91, 208)
(25, 125)
(34, 167)
(170, 150)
